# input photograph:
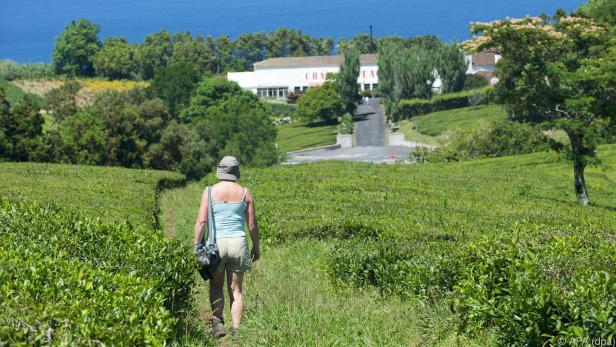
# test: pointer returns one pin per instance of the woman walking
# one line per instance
(232, 205)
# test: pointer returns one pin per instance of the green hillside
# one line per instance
(296, 136)
(324, 222)
(436, 128)
(14, 94)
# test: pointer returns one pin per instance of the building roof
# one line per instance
(484, 58)
(314, 61)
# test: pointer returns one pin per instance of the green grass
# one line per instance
(296, 136)
(113, 194)
(436, 128)
(14, 94)
(304, 210)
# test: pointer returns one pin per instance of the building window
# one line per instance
(375, 86)
(273, 93)
(367, 86)
(297, 89)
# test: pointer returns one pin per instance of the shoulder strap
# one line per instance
(211, 226)
(244, 197)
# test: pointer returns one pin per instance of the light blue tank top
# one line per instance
(229, 218)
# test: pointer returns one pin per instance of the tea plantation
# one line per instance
(98, 276)
(485, 252)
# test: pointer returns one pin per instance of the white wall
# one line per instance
(296, 77)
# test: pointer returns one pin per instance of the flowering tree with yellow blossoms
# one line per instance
(559, 73)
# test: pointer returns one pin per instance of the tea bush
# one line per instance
(540, 287)
(493, 140)
(77, 279)
(110, 193)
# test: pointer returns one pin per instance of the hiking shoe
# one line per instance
(218, 327)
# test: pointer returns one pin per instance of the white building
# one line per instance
(277, 77)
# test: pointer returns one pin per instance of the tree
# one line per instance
(451, 67)
(346, 81)
(363, 43)
(560, 75)
(175, 84)
(603, 11)
(237, 128)
(404, 73)
(321, 103)
(117, 129)
(62, 101)
(187, 50)
(76, 47)
(168, 153)
(117, 59)
(154, 53)
(21, 129)
(211, 92)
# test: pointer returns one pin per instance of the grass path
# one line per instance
(290, 300)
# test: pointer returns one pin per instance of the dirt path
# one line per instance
(170, 219)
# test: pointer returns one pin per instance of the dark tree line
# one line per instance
(79, 51)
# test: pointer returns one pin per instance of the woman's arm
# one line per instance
(253, 227)
(201, 219)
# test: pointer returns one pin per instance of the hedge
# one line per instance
(68, 278)
(409, 108)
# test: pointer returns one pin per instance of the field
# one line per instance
(83, 264)
(296, 136)
(14, 94)
(436, 128)
(89, 87)
(112, 194)
(319, 282)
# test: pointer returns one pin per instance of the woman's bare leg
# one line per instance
(236, 296)
(217, 299)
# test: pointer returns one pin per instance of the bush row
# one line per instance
(416, 107)
(78, 279)
(494, 140)
(530, 287)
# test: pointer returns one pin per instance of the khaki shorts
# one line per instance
(234, 255)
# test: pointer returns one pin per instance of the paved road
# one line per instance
(370, 124)
(369, 142)
(371, 154)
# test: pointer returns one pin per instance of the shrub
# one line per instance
(175, 84)
(62, 101)
(415, 107)
(539, 288)
(473, 81)
(322, 103)
(82, 280)
(346, 125)
(494, 140)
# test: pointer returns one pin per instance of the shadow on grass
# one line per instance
(321, 123)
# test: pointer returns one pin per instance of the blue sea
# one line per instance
(28, 28)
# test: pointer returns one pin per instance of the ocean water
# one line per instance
(28, 28)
